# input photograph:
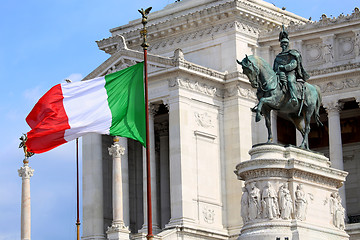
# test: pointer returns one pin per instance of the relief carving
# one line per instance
(203, 120)
(285, 202)
(254, 202)
(209, 215)
(269, 202)
(300, 203)
(337, 211)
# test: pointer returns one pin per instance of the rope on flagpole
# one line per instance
(145, 46)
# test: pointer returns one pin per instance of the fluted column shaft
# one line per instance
(25, 172)
(333, 109)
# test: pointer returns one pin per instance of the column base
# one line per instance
(118, 231)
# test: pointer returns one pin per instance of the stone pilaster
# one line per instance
(93, 209)
(117, 230)
(153, 108)
(25, 172)
(163, 130)
(333, 109)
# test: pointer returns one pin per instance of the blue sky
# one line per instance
(41, 44)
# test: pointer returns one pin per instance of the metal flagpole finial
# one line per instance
(143, 32)
(28, 154)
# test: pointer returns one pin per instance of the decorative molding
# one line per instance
(240, 91)
(192, 85)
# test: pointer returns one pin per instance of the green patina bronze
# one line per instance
(283, 88)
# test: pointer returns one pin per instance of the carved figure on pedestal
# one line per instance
(285, 202)
(254, 202)
(279, 90)
(245, 205)
(269, 202)
(337, 211)
(300, 203)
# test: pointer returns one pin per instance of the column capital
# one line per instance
(153, 109)
(116, 150)
(117, 227)
(333, 106)
(26, 171)
(357, 99)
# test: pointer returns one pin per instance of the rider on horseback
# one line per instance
(288, 66)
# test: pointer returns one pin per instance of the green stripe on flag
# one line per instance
(125, 90)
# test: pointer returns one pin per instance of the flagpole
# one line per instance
(77, 191)
(145, 46)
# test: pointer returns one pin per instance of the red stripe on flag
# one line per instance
(48, 122)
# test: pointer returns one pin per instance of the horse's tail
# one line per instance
(317, 108)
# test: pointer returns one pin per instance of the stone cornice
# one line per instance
(194, 77)
(336, 69)
(201, 18)
(324, 24)
(336, 86)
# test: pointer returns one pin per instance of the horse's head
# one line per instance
(250, 70)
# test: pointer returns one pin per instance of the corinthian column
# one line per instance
(25, 172)
(117, 230)
(333, 109)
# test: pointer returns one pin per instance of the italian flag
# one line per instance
(113, 104)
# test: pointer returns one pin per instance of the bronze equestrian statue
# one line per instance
(284, 89)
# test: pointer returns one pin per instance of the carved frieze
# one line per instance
(339, 85)
(261, 200)
(193, 85)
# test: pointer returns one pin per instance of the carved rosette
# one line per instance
(116, 150)
(26, 172)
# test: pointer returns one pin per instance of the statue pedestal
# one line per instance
(290, 193)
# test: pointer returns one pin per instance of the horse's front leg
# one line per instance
(267, 116)
(268, 101)
(258, 109)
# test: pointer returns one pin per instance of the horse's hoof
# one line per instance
(270, 140)
(257, 118)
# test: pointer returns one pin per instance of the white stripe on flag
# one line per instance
(89, 110)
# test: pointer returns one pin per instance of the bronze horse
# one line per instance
(272, 96)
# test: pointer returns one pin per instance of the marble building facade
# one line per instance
(201, 125)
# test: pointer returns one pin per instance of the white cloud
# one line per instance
(74, 77)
